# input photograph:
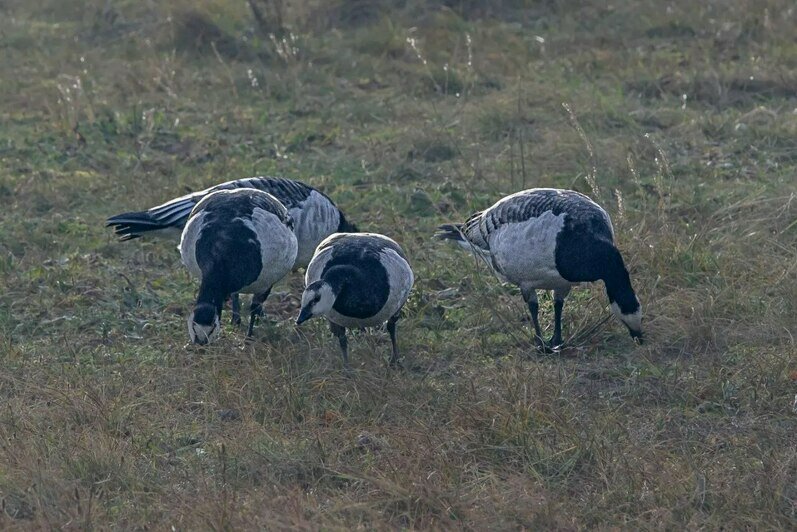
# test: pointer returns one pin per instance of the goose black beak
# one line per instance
(304, 315)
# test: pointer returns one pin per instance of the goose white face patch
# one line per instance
(319, 301)
(203, 334)
(633, 320)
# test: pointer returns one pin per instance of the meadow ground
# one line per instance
(680, 117)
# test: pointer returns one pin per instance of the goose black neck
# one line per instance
(211, 292)
(345, 226)
(361, 291)
(341, 277)
(618, 284)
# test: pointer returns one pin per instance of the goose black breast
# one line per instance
(233, 248)
(368, 290)
(584, 243)
(226, 242)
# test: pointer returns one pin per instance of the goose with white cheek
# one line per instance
(357, 280)
(315, 216)
(551, 239)
(234, 241)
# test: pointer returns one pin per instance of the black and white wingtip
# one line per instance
(450, 232)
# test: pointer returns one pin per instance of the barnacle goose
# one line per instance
(238, 240)
(315, 216)
(551, 239)
(357, 280)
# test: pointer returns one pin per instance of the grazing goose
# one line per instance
(357, 280)
(551, 239)
(315, 216)
(238, 240)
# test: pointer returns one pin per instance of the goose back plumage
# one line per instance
(315, 215)
(533, 203)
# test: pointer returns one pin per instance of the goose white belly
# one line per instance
(525, 252)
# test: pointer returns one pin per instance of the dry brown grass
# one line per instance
(408, 114)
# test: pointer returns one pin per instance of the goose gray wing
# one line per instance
(173, 214)
(240, 203)
(289, 192)
(528, 204)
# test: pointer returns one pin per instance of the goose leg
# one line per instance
(530, 296)
(340, 332)
(559, 296)
(256, 310)
(235, 301)
(391, 328)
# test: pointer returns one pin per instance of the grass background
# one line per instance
(680, 117)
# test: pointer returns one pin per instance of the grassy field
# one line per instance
(680, 117)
